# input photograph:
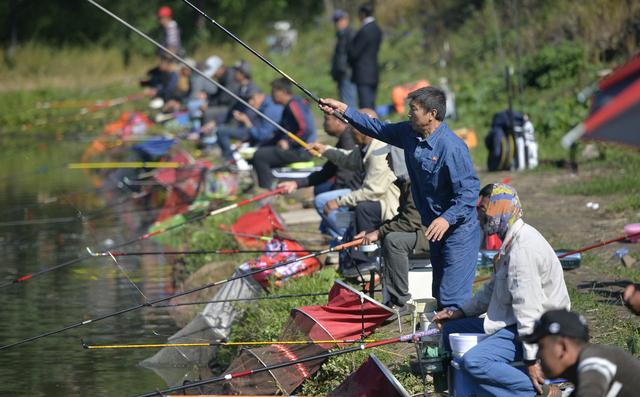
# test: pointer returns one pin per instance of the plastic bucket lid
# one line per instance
(461, 343)
(633, 228)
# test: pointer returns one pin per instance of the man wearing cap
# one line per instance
(565, 352)
(247, 125)
(527, 281)
(171, 33)
(340, 69)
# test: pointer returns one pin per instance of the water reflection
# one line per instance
(58, 365)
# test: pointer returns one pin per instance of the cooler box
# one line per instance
(420, 277)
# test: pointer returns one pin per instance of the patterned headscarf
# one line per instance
(503, 210)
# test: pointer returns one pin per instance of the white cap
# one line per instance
(190, 63)
(211, 65)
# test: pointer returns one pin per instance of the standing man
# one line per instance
(282, 150)
(340, 69)
(363, 57)
(171, 32)
(444, 186)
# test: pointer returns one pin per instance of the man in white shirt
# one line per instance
(527, 281)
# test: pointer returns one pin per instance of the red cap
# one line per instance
(164, 11)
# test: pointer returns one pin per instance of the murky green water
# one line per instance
(58, 365)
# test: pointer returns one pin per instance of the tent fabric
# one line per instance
(615, 109)
(371, 379)
(342, 317)
(261, 222)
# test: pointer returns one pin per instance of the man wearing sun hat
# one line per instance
(527, 281)
(595, 370)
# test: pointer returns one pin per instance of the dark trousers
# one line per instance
(367, 95)
(268, 157)
(225, 134)
(396, 247)
(368, 216)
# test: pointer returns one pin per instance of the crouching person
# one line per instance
(565, 352)
(527, 281)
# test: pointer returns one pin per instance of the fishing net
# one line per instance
(341, 318)
(213, 323)
(371, 379)
(261, 222)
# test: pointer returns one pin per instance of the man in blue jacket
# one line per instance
(250, 127)
(282, 150)
(444, 186)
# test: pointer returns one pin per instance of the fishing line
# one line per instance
(207, 78)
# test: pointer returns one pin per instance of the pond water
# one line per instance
(40, 201)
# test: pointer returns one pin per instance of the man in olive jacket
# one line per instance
(401, 235)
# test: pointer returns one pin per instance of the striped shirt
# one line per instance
(606, 371)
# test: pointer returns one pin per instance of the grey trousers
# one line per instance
(396, 248)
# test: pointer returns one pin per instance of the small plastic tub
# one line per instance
(631, 229)
(461, 343)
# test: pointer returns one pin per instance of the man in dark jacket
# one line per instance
(344, 179)
(400, 236)
(363, 57)
(282, 150)
(340, 69)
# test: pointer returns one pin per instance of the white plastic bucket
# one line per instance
(461, 343)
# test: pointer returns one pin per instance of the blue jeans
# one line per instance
(329, 224)
(225, 134)
(454, 260)
(488, 363)
(347, 92)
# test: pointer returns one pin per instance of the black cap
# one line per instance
(560, 323)
(243, 67)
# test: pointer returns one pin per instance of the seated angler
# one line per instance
(400, 236)
(331, 181)
(282, 150)
(595, 370)
(527, 281)
(248, 126)
(378, 193)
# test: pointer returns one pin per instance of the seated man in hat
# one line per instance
(595, 370)
(527, 281)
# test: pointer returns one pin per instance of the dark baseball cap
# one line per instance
(560, 323)
(338, 15)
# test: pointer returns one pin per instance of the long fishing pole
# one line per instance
(311, 95)
(130, 164)
(159, 300)
(223, 343)
(580, 250)
(143, 237)
(234, 375)
(209, 79)
(195, 252)
(257, 298)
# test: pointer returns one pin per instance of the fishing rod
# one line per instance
(257, 298)
(311, 95)
(580, 250)
(124, 164)
(292, 136)
(234, 375)
(159, 300)
(224, 343)
(194, 252)
(74, 103)
(143, 237)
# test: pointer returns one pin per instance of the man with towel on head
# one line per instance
(527, 281)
